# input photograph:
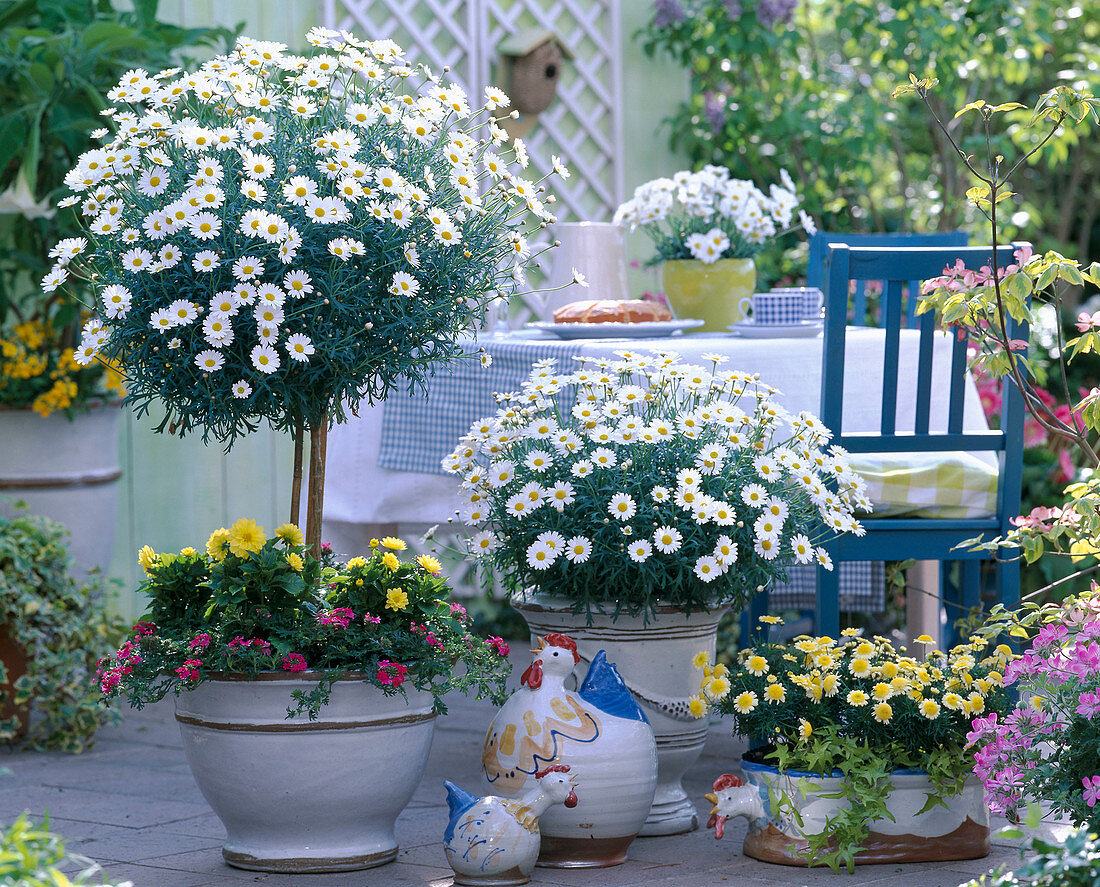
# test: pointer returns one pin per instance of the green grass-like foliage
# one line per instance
(62, 624)
(249, 604)
(278, 237)
(858, 709)
(640, 480)
(32, 856)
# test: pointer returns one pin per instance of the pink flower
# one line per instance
(498, 644)
(368, 619)
(143, 629)
(189, 671)
(200, 641)
(1088, 704)
(237, 644)
(1092, 790)
(263, 646)
(459, 612)
(391, 673)
(340, 617)
(294, 662)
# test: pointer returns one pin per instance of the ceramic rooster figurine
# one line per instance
(598, 731)
(731, 798)
(494, 841)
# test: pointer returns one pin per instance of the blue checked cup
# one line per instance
(774, 309)
(812, 299)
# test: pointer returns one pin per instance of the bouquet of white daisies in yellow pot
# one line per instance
(644, 492)
(706, 227)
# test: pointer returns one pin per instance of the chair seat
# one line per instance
(952, 485)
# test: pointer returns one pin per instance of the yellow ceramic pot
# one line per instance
(708, 292)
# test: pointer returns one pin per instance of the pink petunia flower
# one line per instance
(200, 641)
(498, 644)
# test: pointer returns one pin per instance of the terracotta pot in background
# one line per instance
(15, 659)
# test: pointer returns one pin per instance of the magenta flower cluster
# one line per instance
(1046, 750)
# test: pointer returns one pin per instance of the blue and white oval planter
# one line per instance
(959, 832)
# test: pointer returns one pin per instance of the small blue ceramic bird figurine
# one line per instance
(495, 841)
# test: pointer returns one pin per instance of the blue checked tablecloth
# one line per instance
(417, 432)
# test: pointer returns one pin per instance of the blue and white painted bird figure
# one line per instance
(599, 731)
(495, 841)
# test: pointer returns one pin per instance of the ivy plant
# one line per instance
(63, 626)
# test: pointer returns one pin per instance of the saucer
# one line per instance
(750, 329)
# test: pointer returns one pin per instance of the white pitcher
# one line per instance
(596, 250)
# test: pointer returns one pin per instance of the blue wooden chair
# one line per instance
(819, 252)
(919, 538)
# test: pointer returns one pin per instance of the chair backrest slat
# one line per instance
(817, 273)
(957, 398)
(924, 372)
(891, 322)
(900, 267)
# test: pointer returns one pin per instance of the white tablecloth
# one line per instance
(357, 490)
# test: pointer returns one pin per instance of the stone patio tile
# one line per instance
(102, 807)
(149, 876)
(205, 826)
(144, 844)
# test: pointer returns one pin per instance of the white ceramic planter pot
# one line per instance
(655, 662)
(959, 832)
(298, 795)
(67, 470)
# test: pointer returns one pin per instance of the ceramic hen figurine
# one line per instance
(732, 798)
(598, 731)
(495, 841)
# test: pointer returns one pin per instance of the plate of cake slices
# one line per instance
(614, 319)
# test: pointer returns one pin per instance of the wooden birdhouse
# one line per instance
(532, 61)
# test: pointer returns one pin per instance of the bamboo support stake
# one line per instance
(315, 499)
(296, 485)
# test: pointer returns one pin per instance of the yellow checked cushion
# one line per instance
(954, 485)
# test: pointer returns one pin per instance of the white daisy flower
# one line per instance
(604, 457)
(299, 347)
(500, 473)
(540, 556)
(183, 312)
(560, 495)
(209, 361)
(707, 568)
(578, 549)
(265, 358)
(754, 495)
(640, 551)
(767, 547)
(538, 460)
(247, 268)
(622, 507)
(725, 552)
(297, 284)
(241, 389)
(667, 539)
(803, 549)
(583, 468)
(660, 494)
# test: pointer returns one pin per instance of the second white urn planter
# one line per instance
(654, 660)
(301, 796)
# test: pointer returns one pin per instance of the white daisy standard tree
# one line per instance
(278, 237)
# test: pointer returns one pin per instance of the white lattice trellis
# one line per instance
(584, 124)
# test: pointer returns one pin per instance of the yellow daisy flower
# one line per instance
(775, 693)
(883, 712)
(718, 688)
(829, 685)
(393, 544)
(357, 562)
(390, 561)
(857, 698)
(245, 537)
(860, 667)
(757, 665)
(290, 534)
(719, 671)
(396, 599)
(187, 552)
(295, 561)
(976, 703)
(771, 620)
(882, 691)
(429, 563)
(697, 706)
(700, 659)
(746, 702)
(147, 558)
(889, 670)
(805, 729)
(930, 709)
(215, 545)
(953, 701)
